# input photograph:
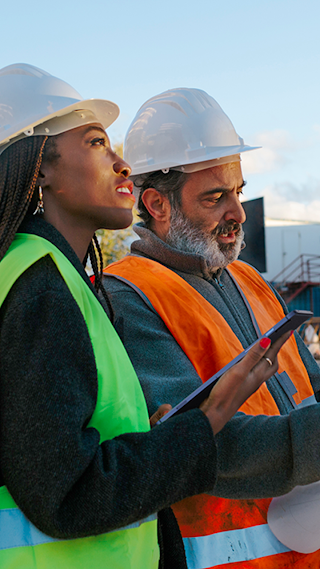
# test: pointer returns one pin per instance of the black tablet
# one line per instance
(290, 322)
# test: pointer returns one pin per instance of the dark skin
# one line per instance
(87, 188)
(236, 385)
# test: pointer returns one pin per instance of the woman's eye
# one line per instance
(98, 142)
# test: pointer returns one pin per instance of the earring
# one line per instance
(40, 207)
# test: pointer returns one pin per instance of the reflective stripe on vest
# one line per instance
(210, 344)
(17, 531)
(120, 408)
(231, 547)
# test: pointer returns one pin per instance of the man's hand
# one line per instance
(242, 380)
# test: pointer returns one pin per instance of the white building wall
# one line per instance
(284, 243)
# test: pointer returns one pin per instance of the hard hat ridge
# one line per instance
(33, 102)
(184, 129)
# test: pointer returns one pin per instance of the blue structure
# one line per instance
(308, 299)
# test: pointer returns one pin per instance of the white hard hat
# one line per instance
(295, 518)
(181, 129)
(33, 102)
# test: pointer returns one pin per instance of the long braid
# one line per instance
(19, 170)
(98, 248)
(98, 271)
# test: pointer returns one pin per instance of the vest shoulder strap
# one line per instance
(201, 330)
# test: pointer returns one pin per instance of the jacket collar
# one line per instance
(38, 226)
(149, 245)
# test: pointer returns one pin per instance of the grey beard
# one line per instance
(186, 237)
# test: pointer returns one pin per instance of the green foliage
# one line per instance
(115, 244)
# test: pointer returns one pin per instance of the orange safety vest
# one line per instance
(218, 532)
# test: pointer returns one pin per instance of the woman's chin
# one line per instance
(120, 220)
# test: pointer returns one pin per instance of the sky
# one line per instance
(259, 59)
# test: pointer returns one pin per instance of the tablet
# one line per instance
(290, 322)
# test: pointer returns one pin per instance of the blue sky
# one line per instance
(259, 59)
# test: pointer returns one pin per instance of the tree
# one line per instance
(115, 244)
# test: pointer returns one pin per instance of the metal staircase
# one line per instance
(301, 274)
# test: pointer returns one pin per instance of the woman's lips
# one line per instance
(126, 189)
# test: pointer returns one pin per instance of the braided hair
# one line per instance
(98, 271)
(19, 170)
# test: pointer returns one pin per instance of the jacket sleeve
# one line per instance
(263, 457)
(258, 457)
(65, 482)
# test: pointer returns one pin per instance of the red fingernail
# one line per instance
(265, 343)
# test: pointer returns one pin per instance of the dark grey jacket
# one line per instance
(258, 457)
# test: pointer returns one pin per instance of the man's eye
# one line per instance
(214, 198)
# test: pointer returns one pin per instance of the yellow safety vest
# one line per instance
(120, 409)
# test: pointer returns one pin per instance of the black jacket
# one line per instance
(67, 484)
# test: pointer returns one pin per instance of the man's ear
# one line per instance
(157, 205)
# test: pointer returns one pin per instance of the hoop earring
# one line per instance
(40, 207)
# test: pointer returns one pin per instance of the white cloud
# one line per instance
(273, 154)
(287, 201)
(275, 139)
(261, 161)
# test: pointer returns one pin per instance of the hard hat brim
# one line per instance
(105, 112)
(209, 154)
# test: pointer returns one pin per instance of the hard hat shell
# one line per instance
(295, 518)
(33, 102)
(181, 127)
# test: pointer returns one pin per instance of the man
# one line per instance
(184, 307)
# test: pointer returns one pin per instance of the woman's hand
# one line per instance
(242, 380)
(161, 411)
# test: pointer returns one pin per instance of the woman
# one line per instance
(81, 475)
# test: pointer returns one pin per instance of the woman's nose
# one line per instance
(121, 168)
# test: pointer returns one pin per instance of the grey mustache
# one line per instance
(227, 228)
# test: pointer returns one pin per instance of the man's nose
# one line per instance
(235, 210)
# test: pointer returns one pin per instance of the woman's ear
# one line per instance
(42, 179)
(157, 205)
